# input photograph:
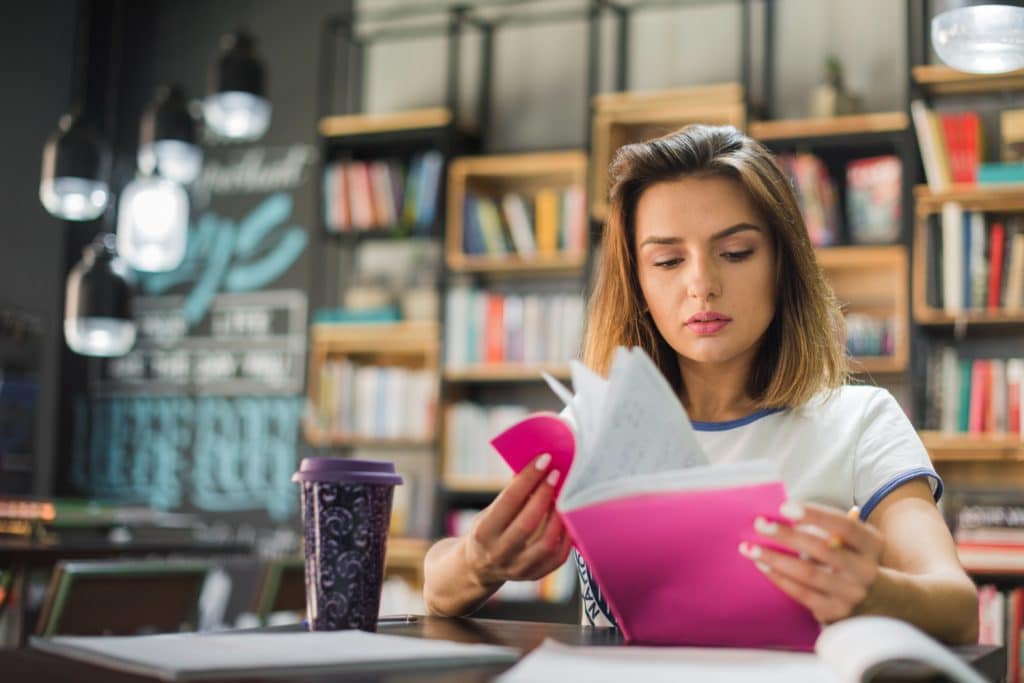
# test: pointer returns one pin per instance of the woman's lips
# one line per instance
(708, 327)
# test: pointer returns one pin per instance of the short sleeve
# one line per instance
(889, 453)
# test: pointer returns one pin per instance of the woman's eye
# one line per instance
(735, 256)
(668, 263)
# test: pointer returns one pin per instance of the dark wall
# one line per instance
(36, 45)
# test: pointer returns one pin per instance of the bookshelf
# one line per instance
(872, 281)
(967, 346)
(624, 117)
(832, 126)
(505, 372)
(413, 344)
(517, 214)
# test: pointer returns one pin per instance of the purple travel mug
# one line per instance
(346, 510)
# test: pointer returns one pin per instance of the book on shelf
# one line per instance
(382, 194)
(974, 263)
(1011, 135)
(951, 145)
(873, 204)
(637, 494)
(467, 426)
(357, 401)
(816, 194)
(551, 221)
(490, 327)
(975, 395)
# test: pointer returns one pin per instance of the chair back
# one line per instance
(282, 588)
(122, 597)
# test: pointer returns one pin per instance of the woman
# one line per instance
(709, 269)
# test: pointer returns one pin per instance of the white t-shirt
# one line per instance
(852, 447)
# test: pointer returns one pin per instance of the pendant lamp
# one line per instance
(152, 224)
(76, 164)
(983, 38)
(167, 138)
(237, 107)
(97, 314)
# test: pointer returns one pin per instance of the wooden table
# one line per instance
(24, 664)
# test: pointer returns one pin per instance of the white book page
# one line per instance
(856, 648)
(555, 662)
(633, 424)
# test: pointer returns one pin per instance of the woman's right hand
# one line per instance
(519, 536)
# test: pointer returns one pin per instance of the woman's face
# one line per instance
(706, 267)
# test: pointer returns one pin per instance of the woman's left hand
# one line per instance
(837, 558)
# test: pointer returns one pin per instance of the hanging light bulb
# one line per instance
(97, 310)
(152, 224)
(980, 38)
(167, 138)
(76, 164)
(237, 107)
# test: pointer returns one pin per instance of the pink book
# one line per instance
(661, 539)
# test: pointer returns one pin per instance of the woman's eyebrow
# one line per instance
(721, 234)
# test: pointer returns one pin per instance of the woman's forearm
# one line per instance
(450, 587)
(944, 606)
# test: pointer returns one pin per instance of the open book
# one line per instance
(849, 651)
(658, 526)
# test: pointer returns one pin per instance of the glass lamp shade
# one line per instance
(152, 224)
(75, 164)
(981, 39)
(167, 138)
(97, 310)
(236, 106)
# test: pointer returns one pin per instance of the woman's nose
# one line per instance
(704, 282)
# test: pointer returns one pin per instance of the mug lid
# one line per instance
(347, 471)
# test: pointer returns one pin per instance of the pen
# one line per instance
(397, 619)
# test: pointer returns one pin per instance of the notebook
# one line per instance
(657, 524)
(849, 651)
(185, 656)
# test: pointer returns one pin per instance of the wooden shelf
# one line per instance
(404, 553)
(873, 280)
(485, 486)
(624, 118)
(971, 197)
(945, 447)
(407, 337)
(505, 372)
(942, 80)
(525, 174)
(364, 124)
(512, 264)
(318, 437)
(932, 317)
(853, 124)
(877, 365)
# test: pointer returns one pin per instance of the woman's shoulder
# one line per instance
(848, 401)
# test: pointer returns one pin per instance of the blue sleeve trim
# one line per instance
(898, 481)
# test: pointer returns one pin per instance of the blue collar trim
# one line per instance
(732, 424)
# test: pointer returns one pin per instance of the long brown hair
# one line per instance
(802, 351)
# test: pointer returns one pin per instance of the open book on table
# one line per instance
(658, 526)
(849, 651)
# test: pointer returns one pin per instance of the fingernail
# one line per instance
(763, 567)
(750, 550)
(553, 477)
(792, 510)
(543, 461)
(763, 526)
